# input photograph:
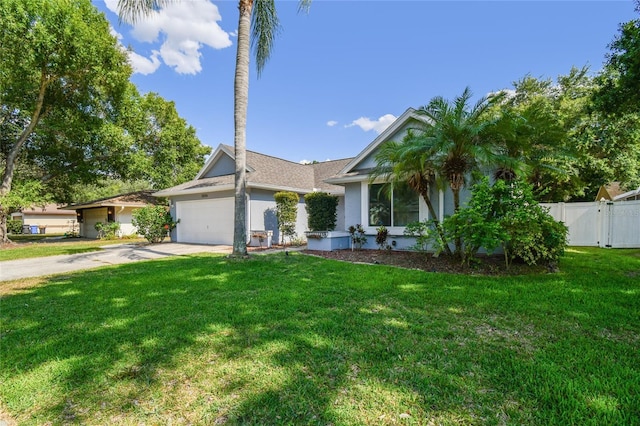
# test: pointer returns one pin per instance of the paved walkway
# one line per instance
(110, 255)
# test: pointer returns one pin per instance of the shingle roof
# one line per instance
(47, 210)
(138, 198)
(266, 171)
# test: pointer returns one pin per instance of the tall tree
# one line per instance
(456, 138)
(61, 75)
(453, 140)
(619, 91)
(407, 161)
(569, 147)
(165, 149)
(257, 25)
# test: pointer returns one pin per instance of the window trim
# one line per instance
(423, 212)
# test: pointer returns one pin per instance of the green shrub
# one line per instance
(426, 236)
(286, 213)
(14, 226)
(321, 211)
(153, 223)
(107, 231)
(506, 215)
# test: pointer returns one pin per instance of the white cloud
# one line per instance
(377, 126)
(143, 65)
(331, 123)
(183, 29)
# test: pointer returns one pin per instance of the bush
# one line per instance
(107, 231)
(321, 211)
(153, 223)
(507, 215)
(287, 213)
(426, 236)
(14, 226)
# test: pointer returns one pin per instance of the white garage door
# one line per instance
(205, 221)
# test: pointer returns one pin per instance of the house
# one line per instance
(628, 196)
(205, 205)
(614, 192)
(367, 205)
(119, 208)
(609, 192)
(205, 208)
(47, 219)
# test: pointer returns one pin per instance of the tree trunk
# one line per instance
(241, 99)
(424, 191)
(10, 160)
(456, 207)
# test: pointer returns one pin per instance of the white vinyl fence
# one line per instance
(600, 224)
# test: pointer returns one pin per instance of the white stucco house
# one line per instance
(205, 205)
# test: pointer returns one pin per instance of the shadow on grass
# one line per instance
(299, 340)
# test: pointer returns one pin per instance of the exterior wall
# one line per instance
(90, 218)
(302, 224)
(124, 217)
(224, 166)
(50, 223)
(262, 213)
(352, 205)
(369, 161)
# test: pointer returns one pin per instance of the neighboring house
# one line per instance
(205, 205)
(48, 219)
(367, 205)
(113, 209)
(609, 192)
(628, 196)
(613, 192)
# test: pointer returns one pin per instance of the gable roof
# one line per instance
(130, 199)
(609, 191)
(263, 172)
(348, 173)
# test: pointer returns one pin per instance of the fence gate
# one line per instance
(600, 224)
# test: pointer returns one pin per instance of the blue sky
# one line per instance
(339, 74)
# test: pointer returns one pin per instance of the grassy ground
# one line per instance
(301, 340)
(39, 247)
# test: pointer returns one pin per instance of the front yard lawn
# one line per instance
(42, 247)
(302, 340)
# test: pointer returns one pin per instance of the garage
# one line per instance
(205, 221)
(90, 218)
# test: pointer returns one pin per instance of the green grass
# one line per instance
(301, 340)
(38, 248)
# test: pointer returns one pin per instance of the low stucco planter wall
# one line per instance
(328, 240)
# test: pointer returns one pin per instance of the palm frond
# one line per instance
(265, 26)
(132, 11)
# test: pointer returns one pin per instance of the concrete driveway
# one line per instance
(110, 255)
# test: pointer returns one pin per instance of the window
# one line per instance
(392, 206)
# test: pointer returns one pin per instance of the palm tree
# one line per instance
(258, 25)
(457, 140)
(404, 162)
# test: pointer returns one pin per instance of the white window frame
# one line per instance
(423, 211)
